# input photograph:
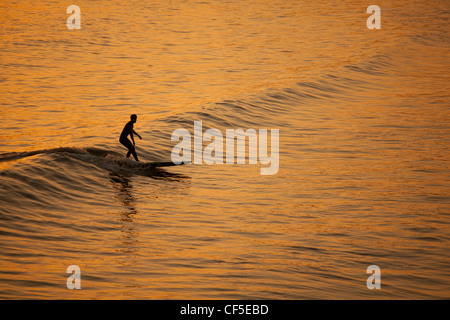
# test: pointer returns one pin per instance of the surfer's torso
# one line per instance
(128, 129)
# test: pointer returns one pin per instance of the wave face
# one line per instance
(363, 178)
(104, 159)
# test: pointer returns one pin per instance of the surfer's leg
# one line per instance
(134, 154)
(131, 151)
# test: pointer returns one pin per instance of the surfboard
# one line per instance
(159, 164)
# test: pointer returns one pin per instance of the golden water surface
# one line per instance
(364, 160)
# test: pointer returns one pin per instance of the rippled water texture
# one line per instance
(363, 176)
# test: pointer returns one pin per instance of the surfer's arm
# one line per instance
(137, 134)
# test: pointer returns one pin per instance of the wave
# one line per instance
(11, 156)
(275, 106)
(108, 160)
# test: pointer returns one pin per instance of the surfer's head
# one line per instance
(133, 118)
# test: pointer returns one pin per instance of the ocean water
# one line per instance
(364, 127)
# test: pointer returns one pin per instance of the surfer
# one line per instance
(128, 130)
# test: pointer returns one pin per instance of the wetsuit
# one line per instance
(128, 130)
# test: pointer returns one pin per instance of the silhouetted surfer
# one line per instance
(128, 130)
